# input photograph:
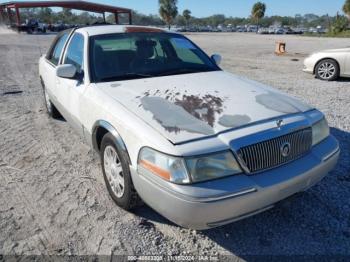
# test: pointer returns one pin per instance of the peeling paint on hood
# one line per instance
(174, 118)
(193, 106)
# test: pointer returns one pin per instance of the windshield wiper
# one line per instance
(180, 71)
(127, 76)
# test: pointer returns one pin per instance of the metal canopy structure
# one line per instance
(10, 8)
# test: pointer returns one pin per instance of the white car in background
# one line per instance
(329, 65)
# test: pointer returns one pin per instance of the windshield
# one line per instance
(116, 57)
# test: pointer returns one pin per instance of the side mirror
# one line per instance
(66, 71)
(216, 58)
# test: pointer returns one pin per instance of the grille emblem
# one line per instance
(279, 123)
(285, 149)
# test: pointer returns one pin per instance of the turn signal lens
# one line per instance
(167, 167)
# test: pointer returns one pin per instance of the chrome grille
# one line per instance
(268, 154)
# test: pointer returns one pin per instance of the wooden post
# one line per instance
(104, 17)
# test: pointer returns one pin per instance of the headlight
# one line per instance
(167, 167)
(186, 170)
(212, 166)
(320, 131)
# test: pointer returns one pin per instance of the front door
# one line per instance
(70, 91)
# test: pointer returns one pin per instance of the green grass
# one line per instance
(344, 34)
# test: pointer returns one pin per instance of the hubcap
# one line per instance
(326, 70)
(114, 171)
(47, 101)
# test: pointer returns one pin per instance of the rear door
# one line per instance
(347, 64)
(70, 91)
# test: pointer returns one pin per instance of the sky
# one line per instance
(238, 8)
(235, 8)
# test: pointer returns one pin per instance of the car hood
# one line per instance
(194, 106)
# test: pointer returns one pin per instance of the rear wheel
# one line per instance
(51, 109)
(327, 70)
(117, 174)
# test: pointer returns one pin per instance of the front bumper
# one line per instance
(219, 202)
(309, 65)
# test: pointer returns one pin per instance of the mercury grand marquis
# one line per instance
(201, 146)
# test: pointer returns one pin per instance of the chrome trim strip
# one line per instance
(233, 195)
(118, 140)
(334, 152)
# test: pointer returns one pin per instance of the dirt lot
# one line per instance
(53, 197)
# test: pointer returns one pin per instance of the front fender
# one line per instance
(100, 128)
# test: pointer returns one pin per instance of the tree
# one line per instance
(187, 15)
(346, 8)
(45, 14)
(168, 11)
(340, 24)
(258, 11)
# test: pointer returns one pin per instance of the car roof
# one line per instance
(112, 29)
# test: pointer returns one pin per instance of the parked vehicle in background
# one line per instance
(252, 28)
(272, 30)
(299, 31)
(279, 31)
(241, 29)
(58, 27)
(33, 26)
(263, 31)
(201, 146)
(231, 28)
(288, 31)
(329, 65)
(317, 30)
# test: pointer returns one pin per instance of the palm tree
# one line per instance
(346, 8)
(187, 15)
(258, 11)
(168, 10)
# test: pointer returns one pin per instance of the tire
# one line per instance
(327, 70)
(115, 168)
(50, 108)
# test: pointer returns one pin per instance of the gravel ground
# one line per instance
(53, 197)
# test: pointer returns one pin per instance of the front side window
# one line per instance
(75, 52)
(125, 56)
(55, 55)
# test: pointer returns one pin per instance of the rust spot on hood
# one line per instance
(204, 108)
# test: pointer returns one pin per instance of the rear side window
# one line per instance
(55, 55)
(75, 52)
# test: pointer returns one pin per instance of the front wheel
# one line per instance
(327, 70)
(117, 174)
